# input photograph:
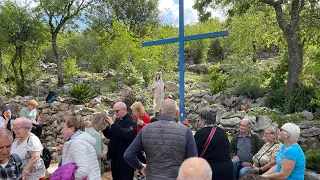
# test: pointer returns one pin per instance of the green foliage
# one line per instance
(265, 110)
(300, 99)
(276, 87)
(216, 50)
(218, 79)
(70, 68)
(81, 93)
(245, 77)
(21, 34)
(313, 159)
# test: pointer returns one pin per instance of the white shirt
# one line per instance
(2, 121)
(4, 165)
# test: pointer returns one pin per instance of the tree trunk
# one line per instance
(295, 51)
(22, 89)
(16, 77)
(58, 59)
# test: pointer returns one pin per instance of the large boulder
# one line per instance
(261, 123)
(311, 175)
(314, 131)
(308, 115)
(230, 122)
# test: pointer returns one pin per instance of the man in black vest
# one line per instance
(166, 144)
(121, 133)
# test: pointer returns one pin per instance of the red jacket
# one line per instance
(146, 120)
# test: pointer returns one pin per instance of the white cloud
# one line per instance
(169, 10)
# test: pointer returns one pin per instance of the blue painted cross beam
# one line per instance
(181, 40)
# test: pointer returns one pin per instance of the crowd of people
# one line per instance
(157, 148)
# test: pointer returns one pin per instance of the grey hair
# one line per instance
(293, 130)
(123, 105)
(275, 131)
(249, 123)
(169, 107)
(6, 133)
(204, 172)
(208, 115)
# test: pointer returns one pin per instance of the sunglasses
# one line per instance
(116, 111)
(283, 130)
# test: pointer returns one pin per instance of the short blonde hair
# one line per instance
(293, 130)
(33, 103)
(275, 131)
(76, 123)
(138, 107)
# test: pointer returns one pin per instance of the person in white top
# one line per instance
(29, 148)
(79, 148)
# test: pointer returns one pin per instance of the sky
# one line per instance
(169, 11)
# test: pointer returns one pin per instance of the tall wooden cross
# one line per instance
(181, 40)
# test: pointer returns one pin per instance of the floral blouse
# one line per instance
(266, 154)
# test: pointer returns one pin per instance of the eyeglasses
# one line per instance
(15, 128)
(117, 111)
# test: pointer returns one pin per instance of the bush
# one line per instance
(300, 99)
(313, 159)
(81, 93)
(246, 77)
(70, 68)
(218, 80)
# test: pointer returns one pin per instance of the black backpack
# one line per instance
(46, 156)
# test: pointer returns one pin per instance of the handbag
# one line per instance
(65, 172)
(213, 130)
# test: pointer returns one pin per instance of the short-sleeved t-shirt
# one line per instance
(294, 153)
(25, 112)
(32, 143)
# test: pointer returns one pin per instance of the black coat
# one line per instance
(217, 153)
(121, 135)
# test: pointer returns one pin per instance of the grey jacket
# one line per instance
(166, 144)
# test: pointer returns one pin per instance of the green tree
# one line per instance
(137, 15)
(59, 13)
(288, 15)
(22, 33)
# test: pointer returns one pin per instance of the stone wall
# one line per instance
(52, 116)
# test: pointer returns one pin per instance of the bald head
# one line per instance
(195, 168)
(169, 106)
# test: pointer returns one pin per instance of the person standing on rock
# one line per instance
(121, 133)
(158, 91)
(166, 144)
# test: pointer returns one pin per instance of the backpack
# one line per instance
(45, 156)
(52, 96)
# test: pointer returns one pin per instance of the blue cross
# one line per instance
(181, 40)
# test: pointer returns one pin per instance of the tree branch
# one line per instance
(279, 13)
